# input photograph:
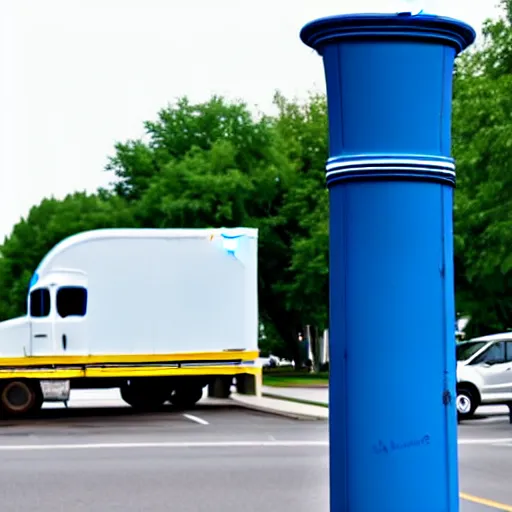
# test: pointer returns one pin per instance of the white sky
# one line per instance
(78, 75)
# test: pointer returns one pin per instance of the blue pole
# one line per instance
(393, 429)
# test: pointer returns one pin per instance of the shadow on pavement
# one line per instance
(89, 413)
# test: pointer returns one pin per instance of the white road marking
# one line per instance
(485, 441)
(196, 419)
(206, 444)
(210, 444)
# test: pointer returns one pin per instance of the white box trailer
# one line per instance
(159, 313)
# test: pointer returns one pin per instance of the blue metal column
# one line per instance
(390, 174)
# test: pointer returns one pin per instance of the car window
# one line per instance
(468, 348)
(493, 355)
(508, 351)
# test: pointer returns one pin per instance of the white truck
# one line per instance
(158, 313)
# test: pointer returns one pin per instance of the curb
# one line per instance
(299, 401)
(277, 410)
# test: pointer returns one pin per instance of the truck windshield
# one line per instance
(468, 348)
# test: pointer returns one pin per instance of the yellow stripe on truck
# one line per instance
(148, 371)
(226, 355)
(126, 371)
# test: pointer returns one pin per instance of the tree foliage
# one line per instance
(482, 128)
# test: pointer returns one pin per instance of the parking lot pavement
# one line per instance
(215, 457)
(218, 421)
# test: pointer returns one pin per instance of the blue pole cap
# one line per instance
(403, 25)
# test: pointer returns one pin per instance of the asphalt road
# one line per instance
(485, 462)
(216, 458)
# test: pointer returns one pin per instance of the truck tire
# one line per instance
(143, 398)
(466, 403)
(19, 398)
(186, 397)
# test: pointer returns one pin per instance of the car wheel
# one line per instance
(465, 403)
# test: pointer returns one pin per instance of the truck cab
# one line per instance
(57, 310)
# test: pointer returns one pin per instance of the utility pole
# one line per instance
(390, 174)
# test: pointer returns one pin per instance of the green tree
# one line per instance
(483, 203)
(184, 127)
(303, 127)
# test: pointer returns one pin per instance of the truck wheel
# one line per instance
(142, 398)
(466, 403)
(186, 397)
(19, 398)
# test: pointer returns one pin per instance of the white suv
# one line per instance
(484, 372)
